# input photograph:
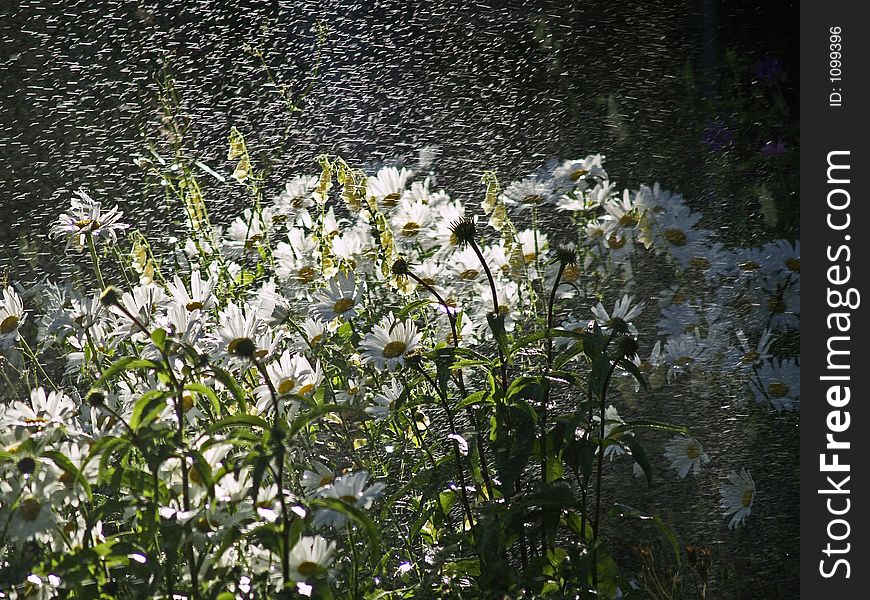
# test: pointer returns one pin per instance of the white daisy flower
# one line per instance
(410, 219)
(350, 489)
(310, 555)
(388, 186)
(245, 235)
(287, 375)
(612, 420)
(738, 495)
(293, 203)
(33, 514)
(384, 403)
(778, 382)
(200, 295)
(297, 262)
(237, 333)
(686, 454)
(86, 218)
(529, 193)
(572, 172)
(622, 310)
(783, 258)
(12, 315)
(352, 393)
(686, 352)
(318, 479)
(52, 408)
(339, 299)
(389, 342)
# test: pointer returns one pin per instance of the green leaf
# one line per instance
(147, 408)
(482, 397)
(233, 386)
(632, 368)
(209, 393)
(203, 472)
(315, 413)
(496, 324)
(238, 421)
(656, 425)
(126, 363)
(158, 336)
(639, 455)
(443, 362)
(528, 340)
(65, 464)
(411, 307)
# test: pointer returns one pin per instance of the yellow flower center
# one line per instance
(746, 500)
(700, 263)
(627, 220)
(342, 306)
(578, 174)
(615, 242)
(749, 265)
(390, 200)
(326, 480)
(692, 452)
(394, 349)
(186, 402)
(252, 241)
(88, 223)
(66, 478)
(29, 509)
(9, 324)
(469, 274)
(676, 237)
(307, 568)
(286, 386)
(776, 304)
(306, 389)
(194, 305)
(316, 339)
(348, 499)
(750, 358)
(306, 274)
(410, 229)
(793, 265)
(777, 390)
(571, 273)
(533, 199)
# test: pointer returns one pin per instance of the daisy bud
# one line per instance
(95, 398)
(111, 296)
(463, 232)
(628, 346)
(566, 255)
(26, 465)
(400, 267)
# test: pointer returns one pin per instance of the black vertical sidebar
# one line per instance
(835, 347)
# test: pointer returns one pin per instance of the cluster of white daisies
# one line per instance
(305, 286)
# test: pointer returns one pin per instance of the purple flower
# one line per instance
(717, 136)
(777, 148)
(768, 69)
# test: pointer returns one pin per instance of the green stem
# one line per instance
(96, 260)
